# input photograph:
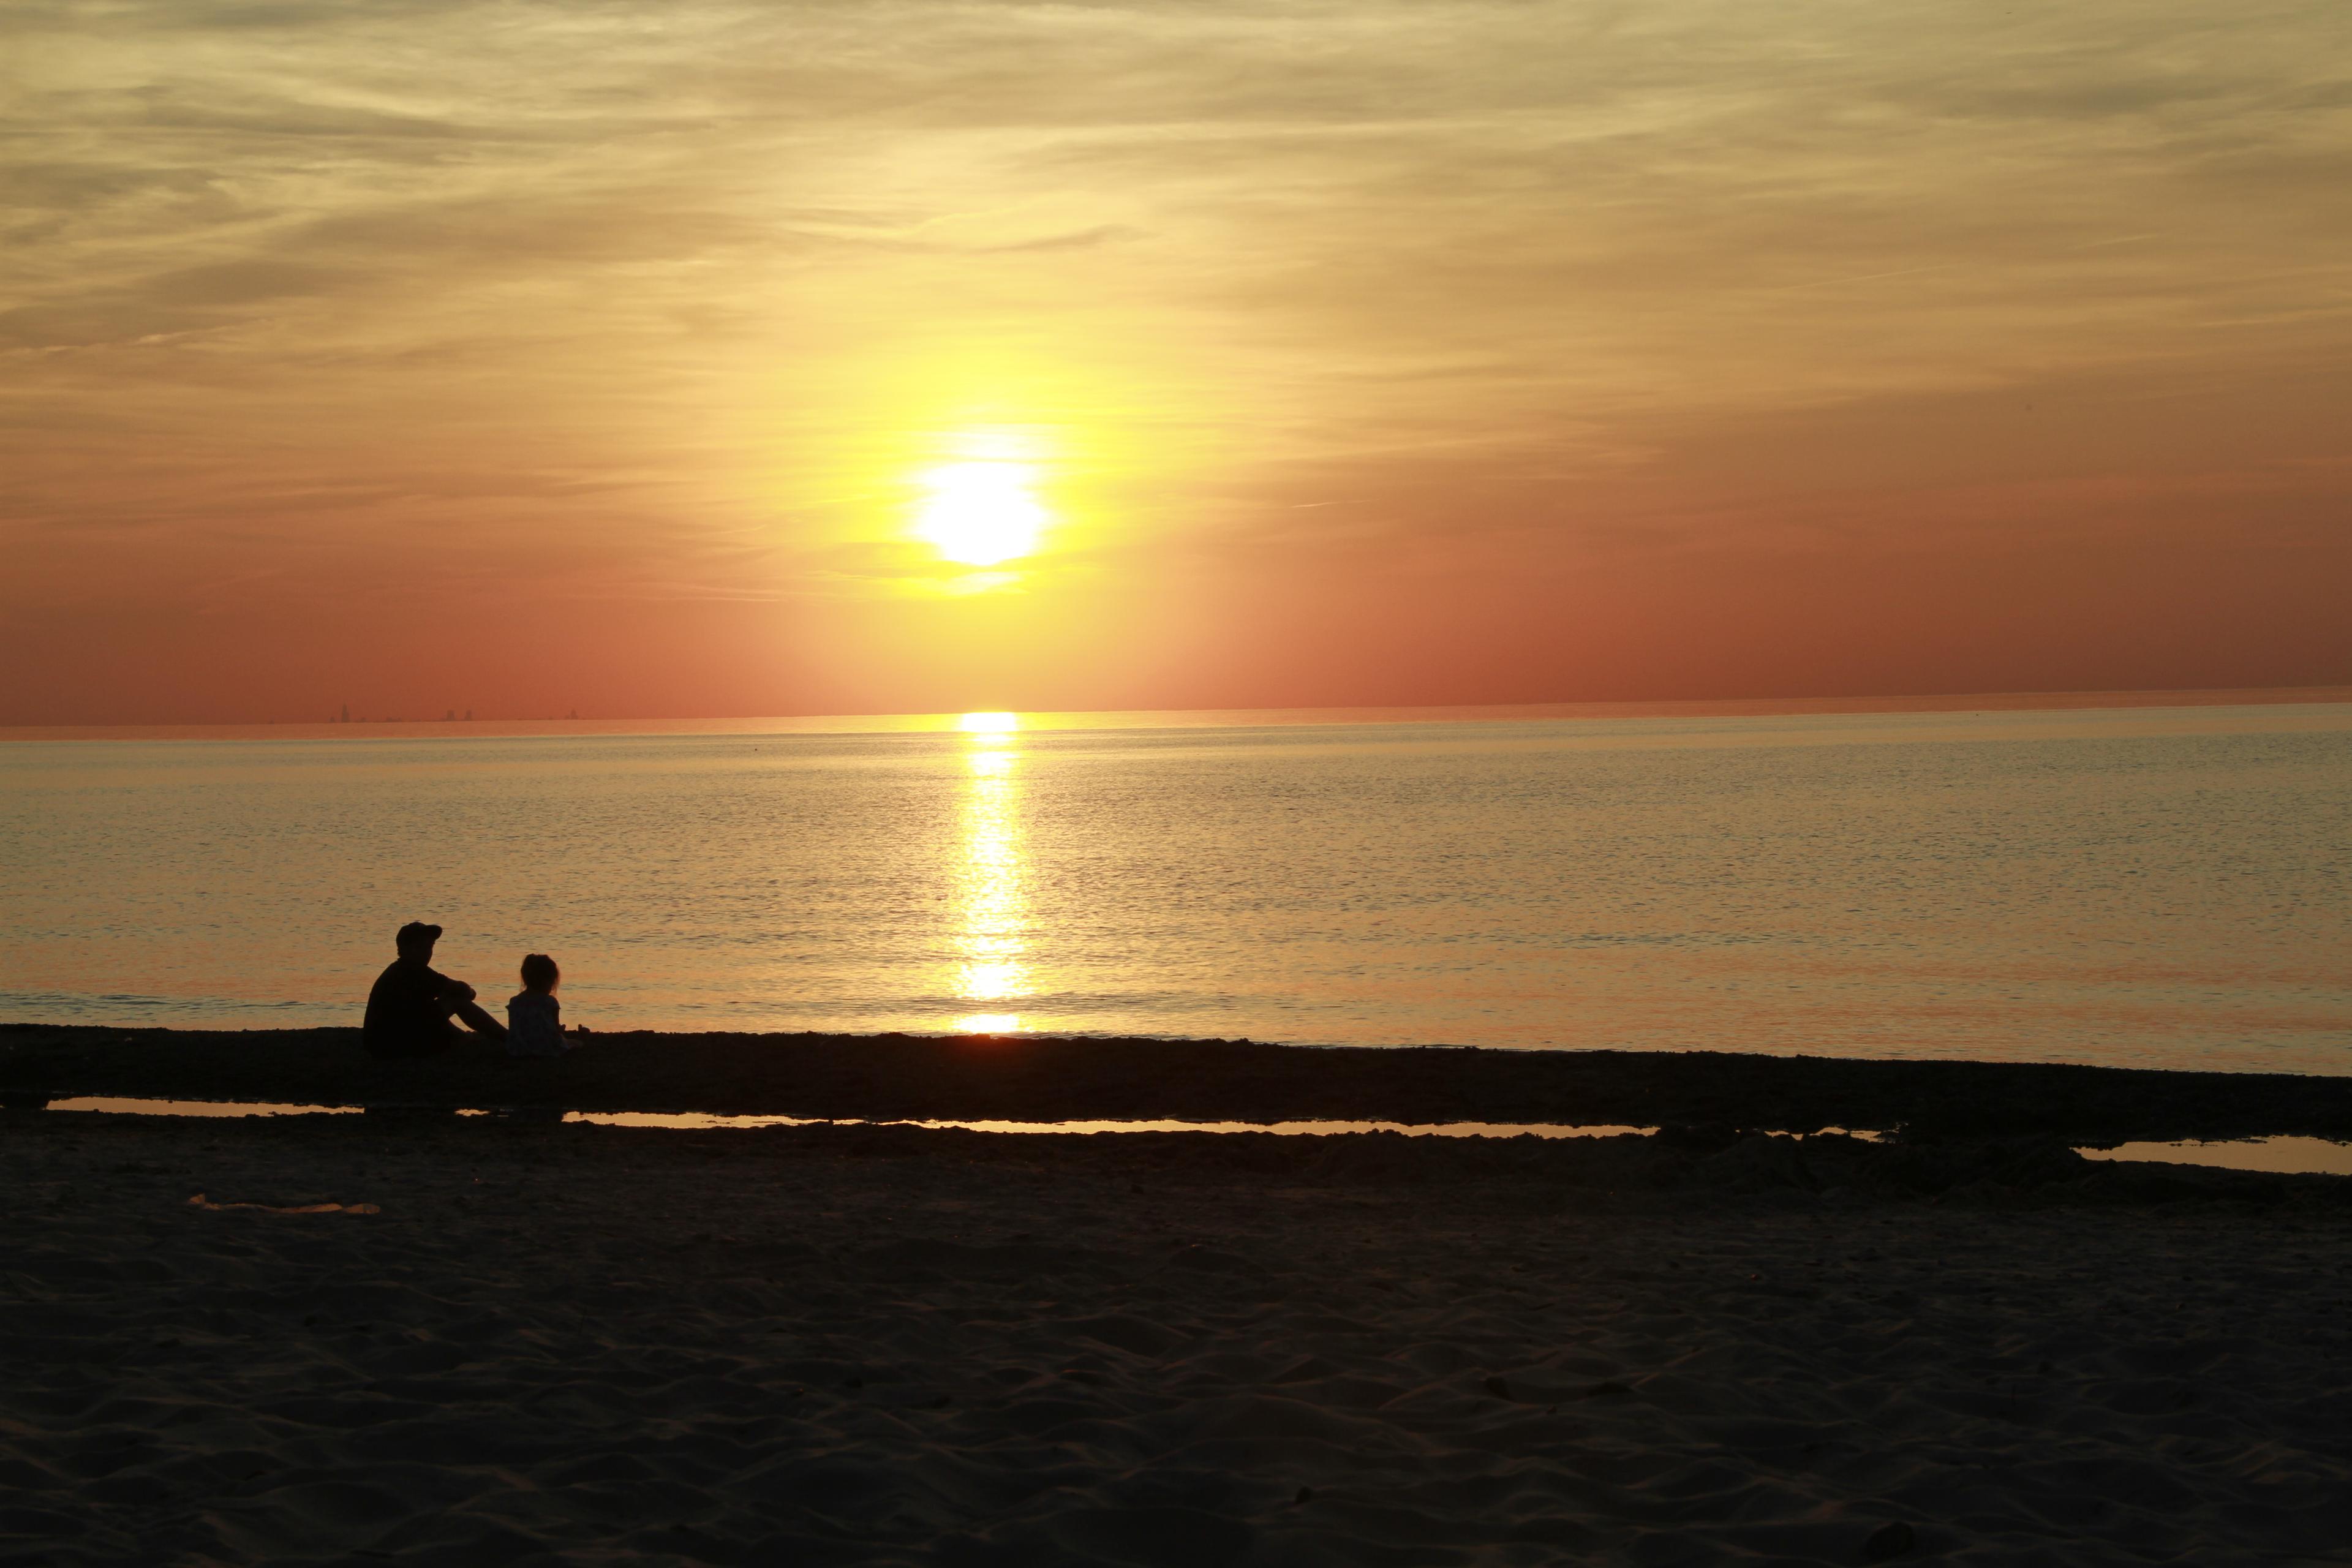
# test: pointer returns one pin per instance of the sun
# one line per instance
(982, 512)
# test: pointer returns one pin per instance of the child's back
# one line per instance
(534, 1018)
(534, 1025)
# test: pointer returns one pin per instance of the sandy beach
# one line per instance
(574, 1344)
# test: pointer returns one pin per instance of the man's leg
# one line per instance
(481, 1023)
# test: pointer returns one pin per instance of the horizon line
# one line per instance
(2084, 700)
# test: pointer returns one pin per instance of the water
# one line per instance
(711, 1121)
(2284, 1155)
(2145, 887)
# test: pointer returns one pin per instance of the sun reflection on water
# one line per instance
(995, 913)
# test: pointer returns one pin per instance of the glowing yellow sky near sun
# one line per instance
(941, 469)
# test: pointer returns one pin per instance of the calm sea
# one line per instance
(2167, 887)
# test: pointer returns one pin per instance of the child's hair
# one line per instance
(539, 973)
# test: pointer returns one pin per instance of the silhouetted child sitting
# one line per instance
(534, 1021)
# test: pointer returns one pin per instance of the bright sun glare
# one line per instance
(982, 512)
(989, 723)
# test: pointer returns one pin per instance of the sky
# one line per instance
(704, 359)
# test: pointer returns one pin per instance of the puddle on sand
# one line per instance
(700, 1123)
(2280, 1155)
(198, 1108)
(704, 1121)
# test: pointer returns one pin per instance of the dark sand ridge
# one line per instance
(565, 1343)
(890, 1076)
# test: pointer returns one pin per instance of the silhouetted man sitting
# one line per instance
(410, 1008)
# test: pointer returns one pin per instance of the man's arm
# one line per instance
(448, 989)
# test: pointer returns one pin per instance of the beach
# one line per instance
(519, 1341)
(1044, 1079)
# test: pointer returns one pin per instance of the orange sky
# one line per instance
(532, 358)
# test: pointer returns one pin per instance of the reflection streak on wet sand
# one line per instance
(2281, 1155)
(1278, 1129)
(198, 1108)
(707, 1121)
(2286, 1156)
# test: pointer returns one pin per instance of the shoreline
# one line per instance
(898, 1077)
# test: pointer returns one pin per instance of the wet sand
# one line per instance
(590, 1344)
(897, 1076)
